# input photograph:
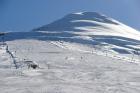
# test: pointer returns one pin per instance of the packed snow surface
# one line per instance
(83, 52)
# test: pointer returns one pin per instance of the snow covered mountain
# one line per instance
(91, 23)
(95, 29)
(84, 52)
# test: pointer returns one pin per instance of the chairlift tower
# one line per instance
(2, 35)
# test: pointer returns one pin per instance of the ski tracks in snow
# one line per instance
(74, 47)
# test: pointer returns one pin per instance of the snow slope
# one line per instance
(94, 29)
(68, 68)
(80, 53)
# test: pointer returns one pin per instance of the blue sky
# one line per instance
(24, 15)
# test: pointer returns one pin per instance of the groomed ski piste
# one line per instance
(94, 60)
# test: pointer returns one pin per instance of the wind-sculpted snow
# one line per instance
(91, 23)
(67, 24)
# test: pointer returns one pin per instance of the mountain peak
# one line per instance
(73, 20)
(87, 14)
